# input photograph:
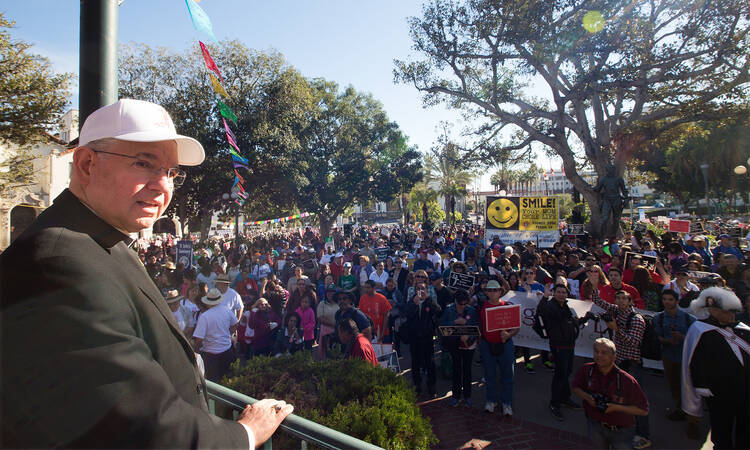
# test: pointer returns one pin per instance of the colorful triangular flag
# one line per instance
(226, 112)
(218, 88)
(200, 19)
(210, 64)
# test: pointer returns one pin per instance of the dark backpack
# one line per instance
(650, 344)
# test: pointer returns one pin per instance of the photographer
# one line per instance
(422, 314)
(562, 325)
(611, 398)
(628, 328)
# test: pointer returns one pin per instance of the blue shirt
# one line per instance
(534, 287)
(664, 324)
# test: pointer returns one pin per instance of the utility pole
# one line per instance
(97, 70)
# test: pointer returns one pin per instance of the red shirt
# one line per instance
(607, 293)
(627, 276)
(376, 307)
(630, 393)
(362, 349)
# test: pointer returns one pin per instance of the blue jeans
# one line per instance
(605, 438)
(506, 362)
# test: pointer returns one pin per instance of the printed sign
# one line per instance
(185, 253)
(503, 317)
(575, 229)
(543, 239)
(459, 330)
(592, 330)
(648, 261)
(522, 213)
(461, 280)
(382, 253)
(641, 214)
(679, 226)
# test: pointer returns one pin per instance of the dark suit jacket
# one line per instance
(91, 354)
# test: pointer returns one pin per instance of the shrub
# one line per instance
(351, 396)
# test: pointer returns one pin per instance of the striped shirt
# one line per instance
(627, 340)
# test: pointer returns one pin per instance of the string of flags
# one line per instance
(202, 23)
(280, 219)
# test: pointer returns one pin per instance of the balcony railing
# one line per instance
(229, 404)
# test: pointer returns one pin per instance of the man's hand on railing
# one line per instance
(264, 417)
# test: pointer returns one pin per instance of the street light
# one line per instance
(704, 169)
(227, 196)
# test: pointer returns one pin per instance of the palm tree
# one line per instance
(420, 195)
(446, 167)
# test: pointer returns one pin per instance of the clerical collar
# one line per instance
(129, 240)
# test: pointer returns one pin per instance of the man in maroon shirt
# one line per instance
(611, 398)
(607, 292)
(357, 345)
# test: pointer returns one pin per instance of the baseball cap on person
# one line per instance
(139, 121)
(435, 276)
(722, 236)
(347, 264)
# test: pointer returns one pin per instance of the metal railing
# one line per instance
(308, 432)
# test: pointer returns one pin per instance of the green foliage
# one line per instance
(16, 170)
(435, 213)
(33, 97)
(351, 396)
(457, 218)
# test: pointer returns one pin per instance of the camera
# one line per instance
(592, 316)
(601, 402)
(607, 317)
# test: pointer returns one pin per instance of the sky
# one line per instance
(349, 42)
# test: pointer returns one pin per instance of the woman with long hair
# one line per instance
(295, 299)
(649, 290)
(596, 273)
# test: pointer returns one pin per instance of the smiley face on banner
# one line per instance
(503, 213)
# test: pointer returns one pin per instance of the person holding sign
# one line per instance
(461, 348)
(497, 349)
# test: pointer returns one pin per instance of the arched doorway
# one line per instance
(20, 219)
(164, 225)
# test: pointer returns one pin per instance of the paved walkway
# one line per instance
(532, 425)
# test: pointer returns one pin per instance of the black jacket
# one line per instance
(421, 321)
(562, 324)
(92, 355)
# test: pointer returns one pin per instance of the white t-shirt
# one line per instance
(179, 318)
(379, 278)
(189, 312)
(210, 280)
(434, 259)
(233, 300)
(213, 327)
(261, 271)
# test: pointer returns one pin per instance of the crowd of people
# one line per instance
(286, 291)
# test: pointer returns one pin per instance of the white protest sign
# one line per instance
(527, 337)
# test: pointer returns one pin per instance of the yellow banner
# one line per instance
(522, 213)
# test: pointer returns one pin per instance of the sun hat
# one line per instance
(139, 121)
(213, 298)
(492, 284)
(173, 296)
(222, 278)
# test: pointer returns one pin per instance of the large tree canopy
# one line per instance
(32, 97)
(613, 73)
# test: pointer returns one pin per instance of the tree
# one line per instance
(271, 99)
(619, 72)
(350, 152)
(419, 198)
(447, 168)
(33, 97)
(17, 170)
(675, 158)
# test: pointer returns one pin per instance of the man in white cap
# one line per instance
(715, 360)
(111, 367)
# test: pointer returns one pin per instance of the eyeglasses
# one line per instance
(175, 175)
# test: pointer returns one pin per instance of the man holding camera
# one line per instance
(422, 315)
(611, 398)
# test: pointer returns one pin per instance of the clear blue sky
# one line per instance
(350, 42)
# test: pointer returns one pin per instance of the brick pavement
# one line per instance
(463, 427)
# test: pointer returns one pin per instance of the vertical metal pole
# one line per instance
(97, 72)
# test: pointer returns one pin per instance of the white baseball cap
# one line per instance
(139, 121)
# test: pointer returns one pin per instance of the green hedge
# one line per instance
(351, 396)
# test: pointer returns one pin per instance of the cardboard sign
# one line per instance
(459, 330)
(679, 226)
(185, 253)
(461, 280)
(503, 317)
(575, 229)
(522, 213)
(382, 253)
(648, 261)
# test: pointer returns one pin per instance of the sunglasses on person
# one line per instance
(491, 290)
(420, 276)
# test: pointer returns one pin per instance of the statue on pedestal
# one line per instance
(613, 194)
